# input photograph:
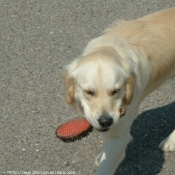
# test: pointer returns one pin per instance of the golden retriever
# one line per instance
(115, 72)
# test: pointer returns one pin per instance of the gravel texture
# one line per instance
(39, 37)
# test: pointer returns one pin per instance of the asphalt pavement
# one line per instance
(38, 38)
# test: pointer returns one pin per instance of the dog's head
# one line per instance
(99, 85)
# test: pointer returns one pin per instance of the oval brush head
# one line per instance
(74, 129)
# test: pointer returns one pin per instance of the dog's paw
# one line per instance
(168, 144)
(98, 159)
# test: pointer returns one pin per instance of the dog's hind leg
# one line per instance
(168, 144)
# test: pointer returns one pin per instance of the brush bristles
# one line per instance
(74, 138)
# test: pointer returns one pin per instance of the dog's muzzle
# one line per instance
(105, 122)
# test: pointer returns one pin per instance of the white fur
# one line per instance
(168, 144)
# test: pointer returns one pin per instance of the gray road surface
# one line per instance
(39, 37)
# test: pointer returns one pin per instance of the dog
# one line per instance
(115, 72)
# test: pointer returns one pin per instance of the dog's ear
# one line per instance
(129, 89)
(68, 78)
(69, 84)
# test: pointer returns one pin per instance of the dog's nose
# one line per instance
(105, 121)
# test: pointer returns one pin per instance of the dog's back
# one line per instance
(153, 37)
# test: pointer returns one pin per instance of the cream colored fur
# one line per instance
(119, 69)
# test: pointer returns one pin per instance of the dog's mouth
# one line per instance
(104, 122)
(103, 129)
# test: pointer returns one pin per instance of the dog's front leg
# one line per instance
(112, 154)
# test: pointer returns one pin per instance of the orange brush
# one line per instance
(74, 129)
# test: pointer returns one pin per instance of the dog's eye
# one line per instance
(115, 91)
(89, 92)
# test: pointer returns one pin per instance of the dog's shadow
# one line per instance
(143, 157)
